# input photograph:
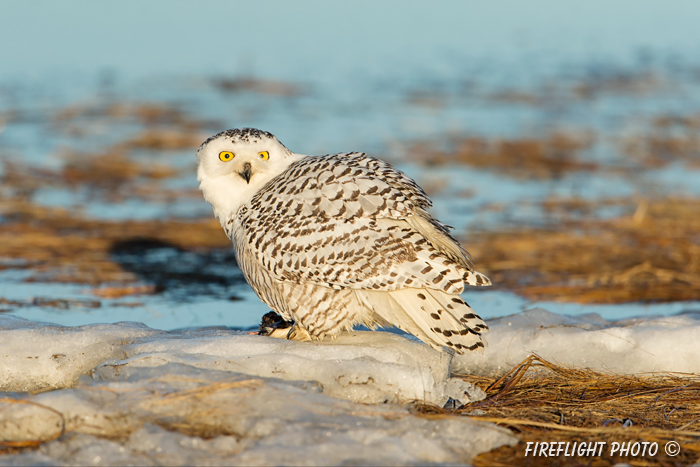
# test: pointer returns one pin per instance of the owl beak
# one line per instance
(246, 172)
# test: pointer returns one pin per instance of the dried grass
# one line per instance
(258, 86)
(542, 401)
(112, 176)
(548, 157)
(143, 113)
(164, 140)
(557, 94)
(538, 400)
(57, 246)
(118, 292)
(619, 83)
(650, 255)
(165, 128)
(110, 171)
(668, 139)
(119, 171)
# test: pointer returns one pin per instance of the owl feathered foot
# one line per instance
(297, 333)
(273, 325)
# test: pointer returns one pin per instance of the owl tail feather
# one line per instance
(435, 317)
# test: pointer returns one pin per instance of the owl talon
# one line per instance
(297, 333)
(273, 325)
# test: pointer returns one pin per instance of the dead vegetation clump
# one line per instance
(58, 303)
(121, 170)
(258, 86)
(146, 114)
(165, 128)
(545, 402)
(110, 171)
(668, 139)
(21, 181)
(651, 254)
(589, 85)
(55, 245)
(164, 140)
(550, 157)
(112, 176)
(619, 83)
(517, 96)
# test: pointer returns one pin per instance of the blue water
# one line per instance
(367, 76)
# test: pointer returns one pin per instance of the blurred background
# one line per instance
(559, 139)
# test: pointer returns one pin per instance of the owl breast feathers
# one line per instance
(343, 239)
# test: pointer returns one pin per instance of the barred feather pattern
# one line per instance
(346, 239)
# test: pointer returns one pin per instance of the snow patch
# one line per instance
(656, 344)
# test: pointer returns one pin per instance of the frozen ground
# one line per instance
(131, 395)
(244, 420)
(125, 394)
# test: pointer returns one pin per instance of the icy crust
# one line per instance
(134, 396)
(649, 344)
(367, 367)
(176, 414)
(36, 356)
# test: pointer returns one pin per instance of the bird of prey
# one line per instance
(332, 241)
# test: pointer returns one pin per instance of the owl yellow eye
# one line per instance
(264, 155)
(225, 156)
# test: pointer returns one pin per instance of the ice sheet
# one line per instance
(133, 395)
(367, 367)
(37, 356)
(176, 414)
(363, 367)
(634, 345)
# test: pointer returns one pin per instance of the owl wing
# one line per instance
(352, 221)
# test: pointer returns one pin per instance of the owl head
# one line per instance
(234, 164)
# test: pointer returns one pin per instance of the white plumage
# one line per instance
(337, 240)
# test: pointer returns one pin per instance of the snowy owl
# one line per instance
(332, 241)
